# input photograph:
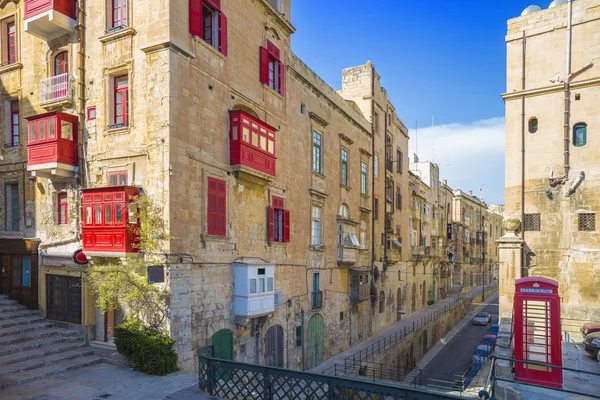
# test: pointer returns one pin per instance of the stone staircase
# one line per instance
(32, 348)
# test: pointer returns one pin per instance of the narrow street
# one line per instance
(452, 361)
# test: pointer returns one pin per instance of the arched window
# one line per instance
(580, 134)
(533, 125)
(381, 301)
(344, 211)
(61, 63)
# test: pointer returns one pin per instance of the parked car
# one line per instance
(482, 318)
(481, 354)
(489, 340)
(592, 344)
(494, 329)
(589, 327)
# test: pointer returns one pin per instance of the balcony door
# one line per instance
(60, 80)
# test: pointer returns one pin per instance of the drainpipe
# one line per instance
(385, 135)
(568, 93)
(523, 82)
(373, 180)
(81, 98)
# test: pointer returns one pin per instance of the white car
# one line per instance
(482, 318)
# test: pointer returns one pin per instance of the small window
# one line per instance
(117, 179)
(11, 43)
(532, 222)
(316, 226)
(209, 23)
(61, 66)
(11, 207)
(121, 101)
(344, 167)
(63, 208)
(298, 336)
(303, 109)
(119, 14)
(341, 315)
(344, 211)
(381, 301)
(376, 166)
(317, 160)
(363, 177)
(587, 221)
(14, 123)
(272, 70)
(400, 161)
(91, 113)
(533, 125)
(579, 135)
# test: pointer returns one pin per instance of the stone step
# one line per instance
(49, 370)
(12, 307)
(21, 321)
(45, 361)
(18, 314)
(3, 297)
(42, 333)
(14, 330)
(34, 344)
(47, 350)
(7, 302)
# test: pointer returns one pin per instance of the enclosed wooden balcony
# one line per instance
(252, 146)
(52, 148)
(49, 19)
(110, 225)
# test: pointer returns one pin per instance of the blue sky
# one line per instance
(434, 56)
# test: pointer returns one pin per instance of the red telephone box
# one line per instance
(537, 334)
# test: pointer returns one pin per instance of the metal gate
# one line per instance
(274, 344)
(63, 298)
(316, 341)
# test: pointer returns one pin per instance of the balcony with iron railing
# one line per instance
(56, 90)
(347, 255)
(316, 300)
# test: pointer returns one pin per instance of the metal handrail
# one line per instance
(55, 88)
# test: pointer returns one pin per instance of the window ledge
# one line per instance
(11, 235)
(116, 34)
(365, 196)
(10, 146)
(268, 88)
(320, 175)
(273, 243)
(119, 130)
(363, 251)
(214, 238)
(209, 47)
(320, 248)
(10, 67)
(348, 188)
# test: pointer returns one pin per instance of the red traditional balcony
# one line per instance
(110, 221)
(49, 19)
(52, 149)
(252, 145)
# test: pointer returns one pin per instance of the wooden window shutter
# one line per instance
(217, 207)
(281, 78)
(271, 221)
(274, 50)
(212, 207)
(286, 226)
(196, 17)
(264, 65)
(222, 209)
(278, 202)
(223, 33)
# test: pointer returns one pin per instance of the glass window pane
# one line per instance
(51, 123)
(269, 284)
(271, 147)
(132, 211)
(234, 132)
(254, 139)
(98, 215)
(263, 143)
(252, 286)
(88, 215)
(245, 134)
(42, 128)
(122, 179)
(261, 285)
(118, 213)
(66, 130)
(108, 214)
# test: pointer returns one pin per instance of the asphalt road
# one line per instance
(454, 359)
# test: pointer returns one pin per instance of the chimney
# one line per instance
(471, 193)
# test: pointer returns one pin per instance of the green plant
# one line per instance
(146, 349)
(362, 371)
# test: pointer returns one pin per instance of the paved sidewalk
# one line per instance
(102, 381)
(399, 326)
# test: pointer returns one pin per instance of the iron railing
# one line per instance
(236, 380)
(56, 88)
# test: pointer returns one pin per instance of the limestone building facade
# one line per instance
(286, 203)
(552, 159)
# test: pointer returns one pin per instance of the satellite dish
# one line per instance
(557, 3)
(531, 9)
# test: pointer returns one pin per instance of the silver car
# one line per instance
(482, 318)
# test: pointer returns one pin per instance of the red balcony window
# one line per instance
(52, 142)
(252, 142)
(110, 221)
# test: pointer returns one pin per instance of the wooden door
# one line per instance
(316, 340)
(274, 346)
(63, 298)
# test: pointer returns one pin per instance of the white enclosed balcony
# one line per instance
(253, 288)
(57, 89)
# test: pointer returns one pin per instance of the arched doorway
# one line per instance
(316, 342)
(222, 342)
(414, 297)
(424, 293)
(399, 304)
(274, 346)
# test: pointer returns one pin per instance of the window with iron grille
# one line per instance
(587, 221)
(532, 222)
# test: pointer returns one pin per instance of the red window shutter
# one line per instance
(222, 209)
(271, 220)
(286, 226)
(264, 66)
(278, 202)
(196, 17)
(217, 207)
(223, 33)
(274, 50)
(281, 78)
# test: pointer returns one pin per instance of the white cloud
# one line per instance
(469, 155)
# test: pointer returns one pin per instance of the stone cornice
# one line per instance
(278, 17)
(549, 89)
(3, 3)
(153, 47)
(318, 119)
(346, 138)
